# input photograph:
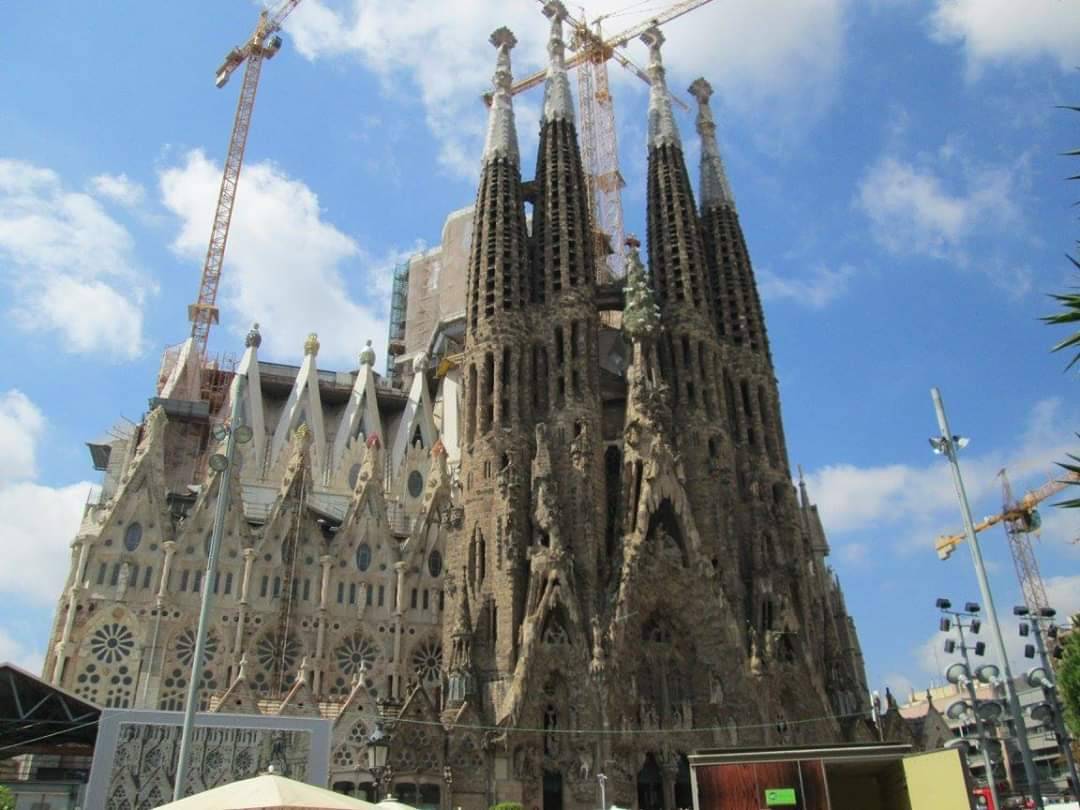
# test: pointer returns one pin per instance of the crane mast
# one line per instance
(1018, 528)
(263, 44)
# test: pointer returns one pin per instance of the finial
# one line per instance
(501, 139)
(715, 189)
(367, 356)
(301, 676)
(558, 103)
(311, 345)
(373, 441)
(253, 339)
(662, 128)
(242, 667)
(438, 449)
(802, 478)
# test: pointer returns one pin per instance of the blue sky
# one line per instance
(896, 164)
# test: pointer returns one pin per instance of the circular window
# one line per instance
(133, 536)
(354, 474)
(434, 562)
(363, 556)
(416, 483)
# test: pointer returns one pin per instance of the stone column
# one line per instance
(245, 584)
(399, 598)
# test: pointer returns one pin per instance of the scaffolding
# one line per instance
(399, 299)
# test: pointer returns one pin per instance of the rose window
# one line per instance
(112, 643)
(355, 653)
(273, 653)
(427, 661)
(358, 733)
(185, 647)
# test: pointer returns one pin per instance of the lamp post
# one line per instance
(947, 445)
(378, 748)
(233, 433)
(602, 779)
(976, 709)
(1045, 680)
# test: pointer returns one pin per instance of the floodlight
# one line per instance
(1029, 651)
(961, 743)
(1037, 678)
(950, 646)
(937, 445)
(957, 710)
(989, 711)
(218, 462)
(943, 604)
(987, 673)
(219, 432)
(1020, 610)
(961, 441)
(980, 648)
(243, 434)
(1042, 712)
(975, 626)
(1025, 630)
(971, 607)
(957, 672)
(1047, 612)
(1052, 631)
(945, 625)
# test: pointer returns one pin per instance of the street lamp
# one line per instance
(378, 748)
(960, 674)
(947, 444)
(1049, 712)
(232, 433)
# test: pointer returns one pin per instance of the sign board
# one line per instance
(780, 797)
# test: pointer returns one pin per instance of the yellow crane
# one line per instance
(599, 144)
(263, 44)
(1021, 518)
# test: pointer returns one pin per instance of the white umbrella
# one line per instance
(390, 803)
(268, 791)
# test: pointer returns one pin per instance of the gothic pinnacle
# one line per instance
(662, 128)
(715, 189)
(558, 103)
(501, 139)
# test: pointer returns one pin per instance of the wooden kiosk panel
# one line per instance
(790, 785)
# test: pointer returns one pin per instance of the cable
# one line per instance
(46, 736)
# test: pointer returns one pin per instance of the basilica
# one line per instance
(561, 538)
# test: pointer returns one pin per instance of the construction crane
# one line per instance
(1021, 518)
(264, 43)
(600, 153)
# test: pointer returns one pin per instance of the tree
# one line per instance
(7, 798)
(1069, 315)
(1068, 677)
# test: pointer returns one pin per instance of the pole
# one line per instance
(602, 779)
(991, 781)
(1050, 693)
(988, 600)
(184, 760)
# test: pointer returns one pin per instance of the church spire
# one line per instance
(501, 139)
(558, 103)
(662, 128)
(714, 189)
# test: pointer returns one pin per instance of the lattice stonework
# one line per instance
(427, 661)
(107, 672)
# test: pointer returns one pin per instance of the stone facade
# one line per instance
(552, 550)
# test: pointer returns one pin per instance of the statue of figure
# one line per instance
(579, 446)
(716, 689)
(756, 666)
(585, 758)
(122, 582)
(599, 657)
(504, 476)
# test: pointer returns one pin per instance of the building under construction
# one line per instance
(542, 549)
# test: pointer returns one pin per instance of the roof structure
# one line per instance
(37, 717)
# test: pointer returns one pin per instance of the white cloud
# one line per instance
(119, 188)
(920, 210)
(816, 290)
(1002, 30)
(19, 654)
(285, 262)
(39, 521)
(776, 60)
(920, 499)
(1063, 594)
(20, 425)
(69, 265)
